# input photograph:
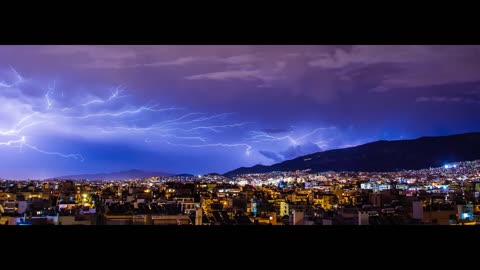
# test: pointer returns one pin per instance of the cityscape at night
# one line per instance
(239, 135)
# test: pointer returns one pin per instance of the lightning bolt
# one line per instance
(16, 131)
(202, 139)
(11, 143)
(260, 136)
(47, 96)
(213, 128)
(141, 109)
(197, 120)
(24, 124)
(22, 142)
(114, 95)
(247, 146)
(19, 79)
(162, 125)
(17, 75)
(323, 143)
(25, 119)
(177, 128)
(74, 156)
(313, 132)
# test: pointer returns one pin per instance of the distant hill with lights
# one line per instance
(130, 174)
(382, 156)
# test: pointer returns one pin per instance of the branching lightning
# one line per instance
(119, 120)
(19, 130)
(202, 139)
(114, 95)
(311, 133)
(121, 113)
(164, 123)
(213, 128)
(13, 143)
(261, 136)
(197, 120)
(247, 146)
(186, 128)
(161, 126)
(74, 156)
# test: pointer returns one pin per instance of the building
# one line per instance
(284, 209)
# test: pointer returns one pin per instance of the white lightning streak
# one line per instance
(22, 142)
(113, 96)
(75, 156)
(263, 136)
(10, 143)
(47, 95)
(202, 139)
(213, 128)
(25, 119)
(19, 79)
(313, 132)
(158, 127)
(150, 109)
(247, 150)
(16, 131)
(162, 124)
(268, 137)
(16, 128)
(5, 85)
(197, 120)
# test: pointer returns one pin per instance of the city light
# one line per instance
(219, 135)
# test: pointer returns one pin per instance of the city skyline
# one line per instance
(201, 109)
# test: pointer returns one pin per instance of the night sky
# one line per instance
(201, 109)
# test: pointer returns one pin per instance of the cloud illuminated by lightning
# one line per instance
(131, 123)
(80, 116)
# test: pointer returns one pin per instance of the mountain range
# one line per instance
(382, 156)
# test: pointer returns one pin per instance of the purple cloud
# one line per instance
(447, 99)
(376, 88)
(228, 75)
